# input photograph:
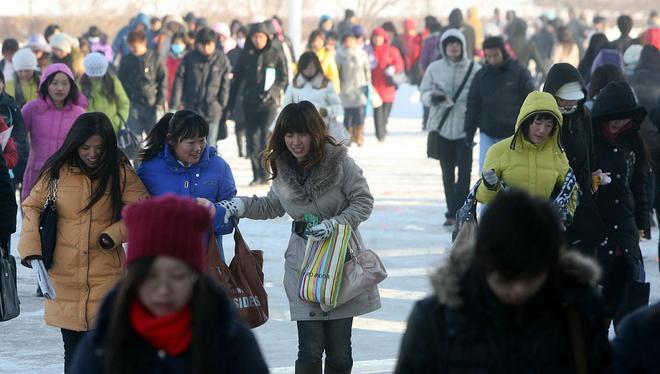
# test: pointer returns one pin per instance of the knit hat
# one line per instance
(358, 31)
(38, 41)
(24, 59)
(61, 41)
(167, 226)
(96, 65)
(617, 101)
(570, 91)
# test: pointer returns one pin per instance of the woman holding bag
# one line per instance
(94, 181)
(313, 176)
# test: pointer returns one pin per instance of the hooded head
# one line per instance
(257, 28)
(409, 24)
(631, 57)
(608, 55)
(617, 100)
(453, 35)
(379, 31)
(75, 97)
(456, 18)
(564, 81)
(538, 103)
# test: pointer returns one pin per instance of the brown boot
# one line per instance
(352, 132)
(359, 135)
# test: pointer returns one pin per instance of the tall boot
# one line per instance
(330, 370)
(308, 367)
(359, 135)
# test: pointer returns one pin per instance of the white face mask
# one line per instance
(240, 42)
(568, 109)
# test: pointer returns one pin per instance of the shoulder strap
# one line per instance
(445, 115)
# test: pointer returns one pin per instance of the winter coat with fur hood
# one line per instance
(335, 189)
(446, 76)
(464, 328)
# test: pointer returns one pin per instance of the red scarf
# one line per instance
(171, 333)
(611, 136)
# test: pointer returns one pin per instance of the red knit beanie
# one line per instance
(167, 226)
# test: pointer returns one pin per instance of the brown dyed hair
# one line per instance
(301, 118)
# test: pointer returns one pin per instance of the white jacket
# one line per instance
(312, 91)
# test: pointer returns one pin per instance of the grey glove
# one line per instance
(322, 231)
(233, 208)
(491, 180)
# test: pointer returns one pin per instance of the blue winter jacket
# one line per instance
(210, 178)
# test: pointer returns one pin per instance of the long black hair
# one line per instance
(210, 308)
(107, 87)
(108, 170)
(306, 59)
(184, 124)
(73, 90)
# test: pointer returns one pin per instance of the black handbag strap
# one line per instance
(445, 115)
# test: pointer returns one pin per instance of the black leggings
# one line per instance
(454, 154)
(381, 117)
(256, 128)
(71, 339)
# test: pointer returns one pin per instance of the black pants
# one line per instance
(455, 154)
(333, 337)
(381, 116)
(71, 339)
(256, 128)
(141, 119)
(240, 137)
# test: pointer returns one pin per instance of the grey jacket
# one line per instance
(335, 189)
(444, 75)
(354, 76)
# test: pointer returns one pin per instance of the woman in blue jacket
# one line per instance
(176, 159)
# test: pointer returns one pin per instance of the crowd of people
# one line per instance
(563, 114)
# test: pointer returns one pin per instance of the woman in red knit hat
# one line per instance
(166, 315)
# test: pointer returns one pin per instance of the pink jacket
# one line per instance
(47, 127)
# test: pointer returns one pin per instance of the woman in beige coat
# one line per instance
(95, 180)
(312, 175)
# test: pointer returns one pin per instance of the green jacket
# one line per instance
(116, 111)
(535, 168)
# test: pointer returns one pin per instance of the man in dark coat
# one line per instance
(495, 97)
(263, 72)
(566, 85)
(144, 78)
(202, 82)
(513, 301)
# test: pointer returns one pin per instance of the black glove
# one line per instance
(437, 98)
(468, 142)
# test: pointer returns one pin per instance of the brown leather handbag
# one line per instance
(243, 279)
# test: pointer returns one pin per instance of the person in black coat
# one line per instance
(12, 113)
(8, 206)
(513, 301)
(167, 315)
(636, 347)
(622, 204)
(263, 72)
(202, 82)
(567, 86)
(495, 97)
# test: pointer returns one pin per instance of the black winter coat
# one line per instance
(202, 84)
(144, 79)
(636, 347)
(12, 113)
(252, 69)
(238, 350)
(8, 205)
(465, 329)
(646, 78)
(495, 97)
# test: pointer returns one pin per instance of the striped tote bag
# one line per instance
(323, 267)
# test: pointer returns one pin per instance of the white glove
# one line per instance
(390, 70)
(233, 208)
(491, 180)
(322, 231)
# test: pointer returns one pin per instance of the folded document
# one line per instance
(43, 279)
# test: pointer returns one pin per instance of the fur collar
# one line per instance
(446, 281)
(324, 176)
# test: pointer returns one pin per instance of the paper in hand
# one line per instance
(4, 137)
(42, 279)
(271, 74)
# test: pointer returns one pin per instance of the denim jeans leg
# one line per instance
(485, 142)
(338, 351)
(310, 341)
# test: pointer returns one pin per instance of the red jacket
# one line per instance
(172, 64)
(412, 44)
(10, 154)
(652, 36)
(385, 55)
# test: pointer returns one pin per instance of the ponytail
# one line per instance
(156, 138)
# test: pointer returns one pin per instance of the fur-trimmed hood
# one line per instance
(448, 278)
(321, 178)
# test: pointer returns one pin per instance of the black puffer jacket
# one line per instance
(10, 110)
(622, 204)
(202, 84)
(144, 79)
(495, 98)
(464, 328)
(253, 67)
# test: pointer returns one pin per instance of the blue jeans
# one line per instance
(333, 337)
(485, 142)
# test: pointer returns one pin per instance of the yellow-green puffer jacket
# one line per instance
(98, 102)
(535, 168)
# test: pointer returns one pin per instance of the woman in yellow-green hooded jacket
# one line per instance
(104, 90)
(533, 159)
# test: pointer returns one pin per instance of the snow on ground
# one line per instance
(405, 229)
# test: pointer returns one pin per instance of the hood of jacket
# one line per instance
(649, 59)
(322, 177)
(538, 102)
(255, 28)
(52, 69)
(608, 56)
(617, 101)
(140, 18)
(559, 75)
(379, 31)
(447, 280)
(456, 34)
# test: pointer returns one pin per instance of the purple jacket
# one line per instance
(47, 126)
(430, 50)
(607, 56)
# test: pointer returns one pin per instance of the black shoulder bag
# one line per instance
(9, 303)
(48, 224)
(433, 139)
